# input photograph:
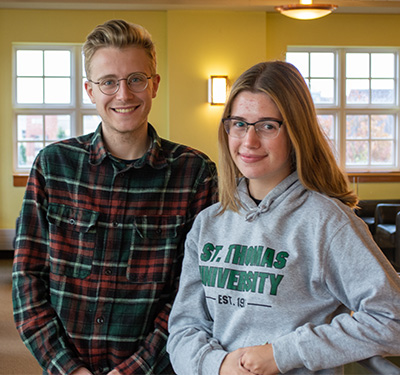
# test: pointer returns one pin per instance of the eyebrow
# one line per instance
(107, 76)
(261, 119)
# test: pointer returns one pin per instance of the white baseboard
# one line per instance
(6, 239)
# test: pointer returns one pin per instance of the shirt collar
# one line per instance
(154, 156)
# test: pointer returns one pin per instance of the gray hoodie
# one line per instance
(286, 272)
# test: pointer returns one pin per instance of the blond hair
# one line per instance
(118, 34)
(311, 154)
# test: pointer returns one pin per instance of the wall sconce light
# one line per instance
(217, 90)
(306, 10)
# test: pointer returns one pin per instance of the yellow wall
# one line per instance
(191, 45)
(201, 44)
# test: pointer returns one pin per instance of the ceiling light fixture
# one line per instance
(306, 10)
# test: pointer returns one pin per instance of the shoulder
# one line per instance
(61, 153)
(325, 203)
(211, 212)
(207, 220)
(173, 151)
(187, 162)
(329, 211)
(82, 142)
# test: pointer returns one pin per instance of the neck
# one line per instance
(127, 146)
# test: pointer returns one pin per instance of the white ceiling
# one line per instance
(353, 6)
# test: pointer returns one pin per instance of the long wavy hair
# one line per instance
(119, 34)
(311, 154)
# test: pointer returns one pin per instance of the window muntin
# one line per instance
(362, 123)
(319, 71)
(50, 101)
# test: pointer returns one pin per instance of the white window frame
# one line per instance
(76, 109)
(340, 108)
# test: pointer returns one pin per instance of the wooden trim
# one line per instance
(20, 179)
(358, 177)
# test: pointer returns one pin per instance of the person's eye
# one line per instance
(109, 83)
(136, 79)
(239, 124)
(269, 126)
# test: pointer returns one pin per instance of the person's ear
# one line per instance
(89, 90)
(156, 82)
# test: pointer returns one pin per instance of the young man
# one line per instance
(103, 223)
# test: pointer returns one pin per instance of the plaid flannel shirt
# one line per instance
(99, 250)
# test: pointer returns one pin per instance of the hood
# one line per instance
(272, 200)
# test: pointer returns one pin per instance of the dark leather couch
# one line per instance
(383, 220)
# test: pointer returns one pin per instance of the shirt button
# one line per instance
(72, 221)
(115, 224)
(108, 271)
(100, 320)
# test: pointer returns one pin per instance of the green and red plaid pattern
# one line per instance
(99, 250)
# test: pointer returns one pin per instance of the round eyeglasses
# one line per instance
(137, 82)
(266, 128)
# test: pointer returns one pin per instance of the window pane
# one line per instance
(382, 65)
(357, 65)
(29, 127)
(300, 61)
(57, 127)
(382, 126)
(322, 64)
(357, 91)
(27, 152)
(57, 90)
(357, 127)
(322, 90)
(382, 91)
(382, 152)
(357, 152)
(29, 90)
(29, 63)
(57, 63)
(90, 123)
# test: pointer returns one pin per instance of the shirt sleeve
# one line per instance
(152, 357)
(36, 320)
(358, 274)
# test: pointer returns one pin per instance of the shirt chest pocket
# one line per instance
(154, 247)
(72, 240)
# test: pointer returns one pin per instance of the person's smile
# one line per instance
(125, 110)
(251, 158)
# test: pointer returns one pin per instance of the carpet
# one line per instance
(15, 358)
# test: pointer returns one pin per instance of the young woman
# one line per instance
(272, 271)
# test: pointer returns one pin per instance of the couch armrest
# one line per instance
(385, 213)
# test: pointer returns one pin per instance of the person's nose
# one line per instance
(251, 139)
(124, 91)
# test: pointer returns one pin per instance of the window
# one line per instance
(50, 102)
(355, 92)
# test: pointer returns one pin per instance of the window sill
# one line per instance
(354, 177)
(20, 179)
(358, 177)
